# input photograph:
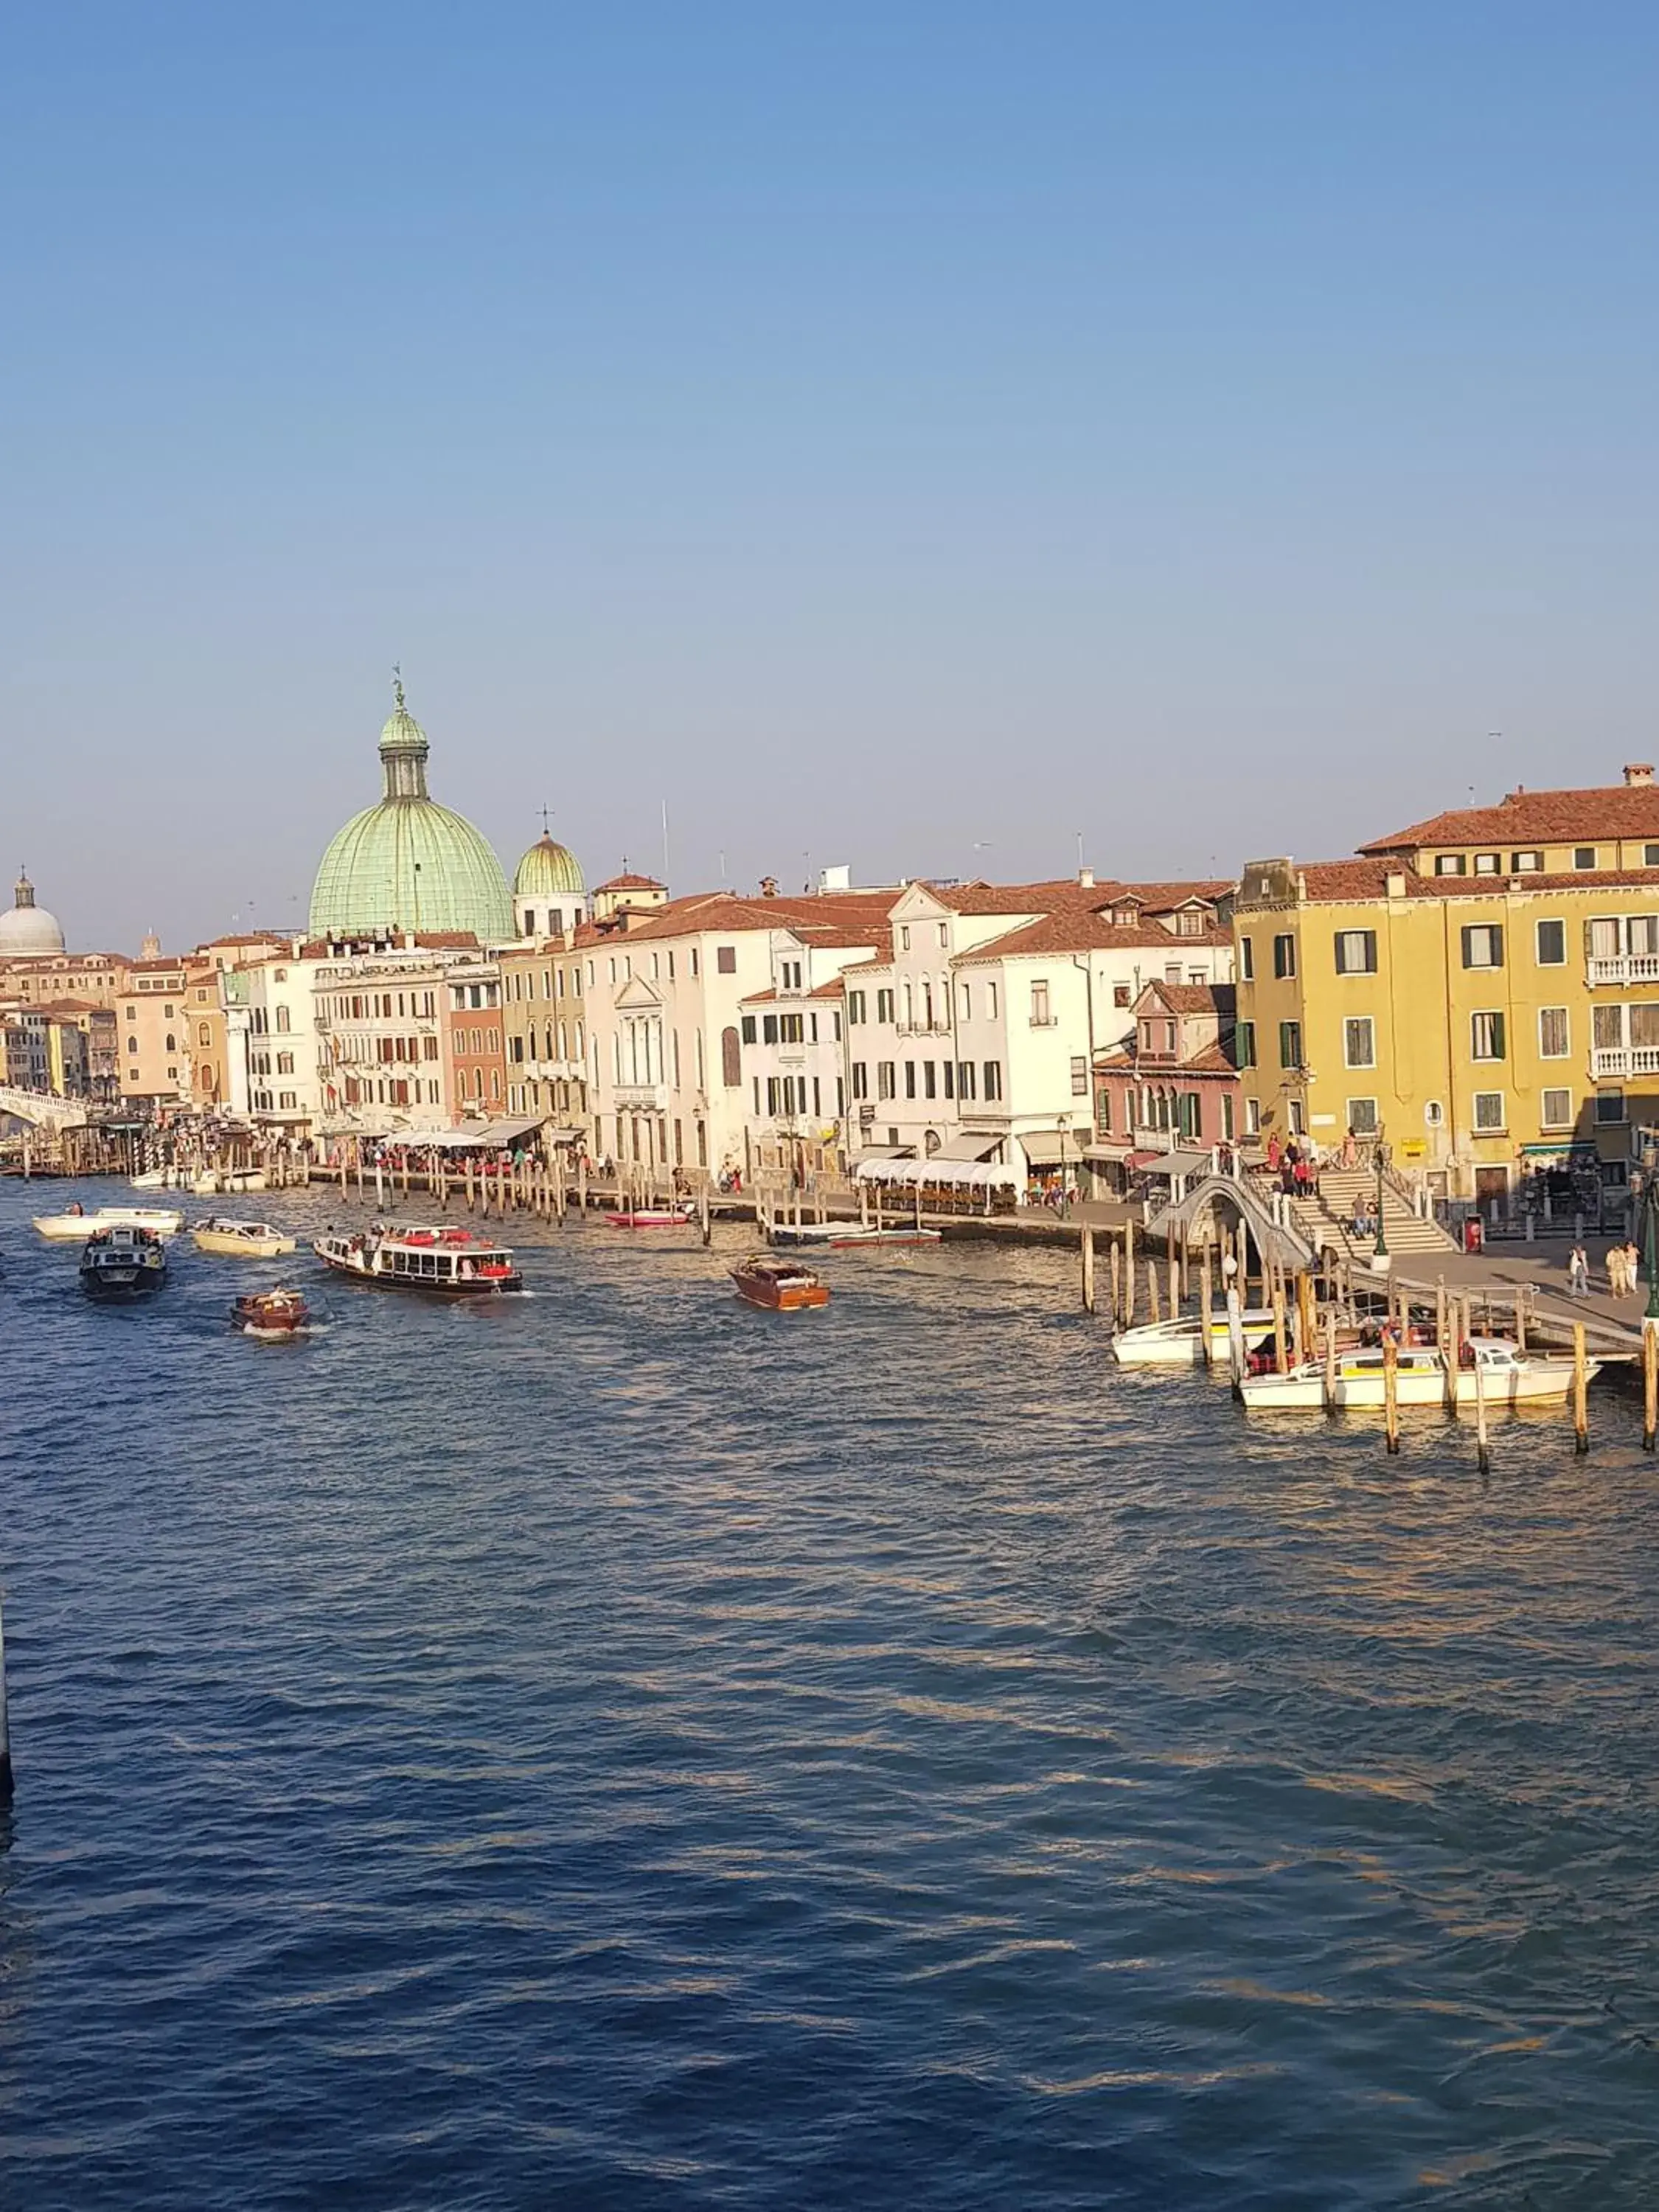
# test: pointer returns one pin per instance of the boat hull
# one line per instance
(845, 1236)
(76, 1228)
(122, 1285)
(490, 1287)
(654, 1218)
(225, 1246)
(1538, 1383)
(1180, 1343)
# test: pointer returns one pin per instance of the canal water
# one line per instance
(618, 1748)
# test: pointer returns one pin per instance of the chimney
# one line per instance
(1394, 883)
(1086, 878)
(1639, 774)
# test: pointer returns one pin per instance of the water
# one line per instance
(618, 1748)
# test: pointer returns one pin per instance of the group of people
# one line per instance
(1623, 1267)
(1295, 1164)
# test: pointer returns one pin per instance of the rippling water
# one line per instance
(619, 1748)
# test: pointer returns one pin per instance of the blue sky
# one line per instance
(913, 435)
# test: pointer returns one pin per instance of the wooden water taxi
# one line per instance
(75, 1225)
(1507, 1377)
(241, 1240)
(276, 1313)
(452, 1263)
(121, 1264)
(1180, 1342)
(779, 1285)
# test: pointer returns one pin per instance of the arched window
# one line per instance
(731, 1059)
(172, 1045)
(282, 1019)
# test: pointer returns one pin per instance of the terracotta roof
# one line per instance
(1220, 999)
(631, 882)
(1537, 818)
(845, 918)
(829, 990)
(1211, 1060)
(864, 967)
(758, 999)
(1338, 882)
(1083, 930)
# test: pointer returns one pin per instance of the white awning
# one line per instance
(1177, 1164)
(1049, 1148)
(972, 1174)
(469, 1137)
(967, 1146)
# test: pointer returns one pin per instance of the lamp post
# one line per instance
(1650, 1228)
(1382, 1157)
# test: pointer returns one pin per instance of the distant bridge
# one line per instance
(43, 1109)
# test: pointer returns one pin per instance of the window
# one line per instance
(731, 1059)
(1526, 864)
(1451, 863)
(1552, 938)
(1650, 856)
(944, 934)
(1553, 1043)
(1079, 1077)
(855, 1007)
(792, 972)
(1246, 960)
(884, 1006)
(947, 1069)
(282, 1018)
(1284, 956)
(1362, 1116)
(904, 936)
(1606, 1027)
(748, 1029)
(1289, 1044)
(1557, 1110)
(285, 1063)
(990, 1002)
(1359, 1041)
(204, 1034)
(1244, 1044)
(1103, 1110)
(909, 1079)
(132, 1044)
(1483, 945)
(964, 1003)
(768, 1029)
(885, 1074)
(1488, 1111)
(1356, 952)
(929, 1080)
(1040, 1015)
(1489, 864)
(726, 959)
(992, 1079)
(1190, 922)
(1609, 1107)
(1486, 1036)
(1583, 856)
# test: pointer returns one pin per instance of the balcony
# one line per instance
(1627, 968)
(641, 1098)
(1613, 1063)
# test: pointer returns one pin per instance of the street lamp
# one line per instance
(1650, 1228)
(1382, 1157)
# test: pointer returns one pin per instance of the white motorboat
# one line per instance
(1180, 1342)
(74, 1225)
(845, 1236)
(216, 1182)
(241, 1240)
(1497, 1370)
(161, 1179)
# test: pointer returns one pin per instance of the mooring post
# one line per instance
(1330, 1359)
(1482, 1453)
(1390, 1395)
(1649, 1383)
(1086, 1245)
(5, 1723)
(1580, 1387)
(1206, 1306)
(705, 1217)
(1117, 1281)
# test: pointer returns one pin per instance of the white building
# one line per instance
(283, 1085)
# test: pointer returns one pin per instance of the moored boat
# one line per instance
(779, 1285)
(121, 1264)
(75, 1225)
(1494, 1369)
(447, 1262)
(271, 1313)
(654, 1217)
(845, 1236)
(241, 1240)
(1180, 1342)
(212, 1181)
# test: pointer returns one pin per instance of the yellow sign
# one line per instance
(1413, 1150)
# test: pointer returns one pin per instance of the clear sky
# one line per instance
(912, 435)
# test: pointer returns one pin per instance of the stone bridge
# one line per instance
(43, 1109)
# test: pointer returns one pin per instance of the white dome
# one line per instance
(28, 929)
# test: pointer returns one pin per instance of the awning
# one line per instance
(874, 1157)
(906, 1174)
(1048, 1148)
(967, 1146)
(1569, 1147)
(469, 1138)
(567, 1136)
(1176, 1163)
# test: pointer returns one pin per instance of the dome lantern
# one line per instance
(28, 932)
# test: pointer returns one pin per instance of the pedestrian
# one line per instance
(1616, 1284)
(1272, 1152)
(1578, 1272)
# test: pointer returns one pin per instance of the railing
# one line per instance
(1620, 1059)
(1625, 968)
(637, 1096)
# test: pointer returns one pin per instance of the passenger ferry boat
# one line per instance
(449, 1262)
(1508, 1377)
(120, 1264)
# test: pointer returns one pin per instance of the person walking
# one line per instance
(1632, 1267)
(1577, 1272)
(1616, 1284)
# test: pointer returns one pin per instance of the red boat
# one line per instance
(654, 1216)
(779, 1285)
(271, 1313)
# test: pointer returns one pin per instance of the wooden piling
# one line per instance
(1330, 1360)
(1580, 1390)
(1307, 1342)
(1649, 1383)
(1482, 1451)
(1128, 1274)
(1390, 1395)
(1206, 1297)
(1281, 1350)
(1086, 1246)
(1117, 1281)
(1521, 1317)
(1153, 1313)
(1174, 1287)
(705, 1217)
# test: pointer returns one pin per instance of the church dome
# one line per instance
(409, 863)
(27, 930)
(549, 870)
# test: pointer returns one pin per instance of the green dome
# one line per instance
(410, 863)
(549, 870)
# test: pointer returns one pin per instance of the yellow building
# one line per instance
(1482, 989)
(544, 1031)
